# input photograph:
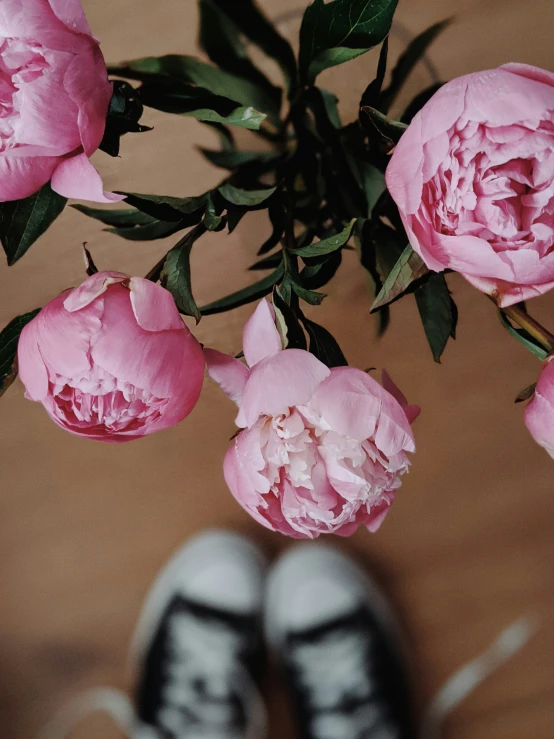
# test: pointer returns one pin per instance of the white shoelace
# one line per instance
(464, 682)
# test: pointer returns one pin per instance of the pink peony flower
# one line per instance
(539, 414)
(54, 94)
(321, 450)
(473, 178)
(112, 359)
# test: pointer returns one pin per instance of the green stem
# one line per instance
(518, 315)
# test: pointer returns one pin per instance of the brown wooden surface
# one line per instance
(84, 527)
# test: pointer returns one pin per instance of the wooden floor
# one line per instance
(84, 527)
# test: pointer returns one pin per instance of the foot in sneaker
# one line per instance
(198, 646)
(335, 635)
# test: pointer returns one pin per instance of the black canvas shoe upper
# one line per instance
(198, 673)
(347, 680)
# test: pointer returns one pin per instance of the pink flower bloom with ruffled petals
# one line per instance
(322, 450)
(473, 178)
(539, 414)
(54, 97)
(112, 360)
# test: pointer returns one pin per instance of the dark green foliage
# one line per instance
(176, 275)
(438, 312)
(22, 222)
(9, 339)
(124, 114)
(335, 32)
(323, 345)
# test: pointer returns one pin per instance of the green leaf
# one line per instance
(221, 40)
(9, 339)
(438, 313)
(124, 112)
(212, 218)
(233, 159)
(314, 276)
(166, 207)
(526, 394)
(247, 17)
(22, 222)
(243, 117)
(373, 90)
(118, 218)
(246, 198)
(327, 246)
(223, 84)
(408, 268)
(384, 132)
(247, 295)
(523, 337)
(176, 275)
(374, 184)
(323, 345)
(278, 218)
(309, 296)
(337, 31)
(414, 52)
(149, 231)
(292, 334)
(174, 96)
(330, 102)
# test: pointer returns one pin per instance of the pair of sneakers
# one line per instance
(201, 643)
(200, 649)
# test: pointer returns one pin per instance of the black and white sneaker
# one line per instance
(335, 635)
(198, 645)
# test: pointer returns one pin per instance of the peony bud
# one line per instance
(112, 359)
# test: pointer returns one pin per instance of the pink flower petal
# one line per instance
(21, 177)
(260, 337)
(92, 288)
(473, 255)
(411, 411)
(539, 413)
(86, 82)
(47, 115)
(64, 338)
(355, 405)
(530, 72)
(32, 371)
(154, 307)
(156, 362)
(71, 14)
(230, 374)
(77, 178)
(279, 382)
(404, 173)
(516, 99)
(378, 514)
